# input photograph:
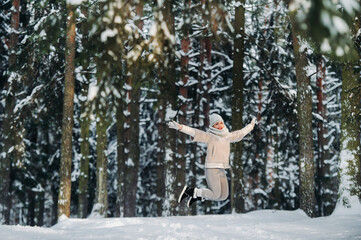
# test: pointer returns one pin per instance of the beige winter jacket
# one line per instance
(218, 147)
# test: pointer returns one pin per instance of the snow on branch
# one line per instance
(28, 100)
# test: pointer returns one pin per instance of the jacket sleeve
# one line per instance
(238, 135)
(198, 135)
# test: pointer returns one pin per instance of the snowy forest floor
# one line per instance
(264, 224)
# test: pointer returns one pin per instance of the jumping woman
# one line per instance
(218, 140)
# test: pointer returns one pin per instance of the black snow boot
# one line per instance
(193, 200)
(186, 192)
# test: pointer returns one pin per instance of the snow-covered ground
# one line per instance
(265, 224)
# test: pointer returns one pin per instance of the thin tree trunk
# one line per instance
(237, 188)
(197, 113)
(183, 91)
(9, 125)
(132, 164)
(163, 99)
(84, 160)
(31, 208)
(14, 38)
(206, 106)
(207, 86)
(277, 192)
(304, 102)
(324, 180)
(120, 158)
(101, 206)
(68, 122)
(41, 206)
(84, 131)
(161, 150)
(168, 175)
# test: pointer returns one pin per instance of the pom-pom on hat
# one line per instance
(214, 118)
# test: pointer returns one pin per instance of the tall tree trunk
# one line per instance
(165, 74)
(120, 157)
(68, 121)
(237, 188)
(183, 91)
(304, 102)
(84, 160)
(349, 192)
(101, 206)
(14, 38)
(127, 143)
(132, 164)
(161, 154)
(207, 88)
(9, 126)
(168, 168)
(324, 180)
(131, 167)
(197, 112)
(84, 129)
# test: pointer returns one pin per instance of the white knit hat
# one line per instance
(213, 118)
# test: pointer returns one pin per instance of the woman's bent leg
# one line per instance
(216, 180)
(224, 186)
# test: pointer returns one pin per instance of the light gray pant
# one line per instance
(217, 185)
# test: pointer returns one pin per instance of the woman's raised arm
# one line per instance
(237, 136)
(198, 135)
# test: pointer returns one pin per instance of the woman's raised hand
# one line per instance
(253, 122)
(175, 125)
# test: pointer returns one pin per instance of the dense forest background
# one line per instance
(87, 89)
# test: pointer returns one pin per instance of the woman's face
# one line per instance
(218, 125)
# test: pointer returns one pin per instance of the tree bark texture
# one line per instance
(166, 74)
(237, 187)
(131, 165)
(84, 131)
(9, 126)
(323, 171)
(120, 158)
(131, 170)
(183, 92)
(68, 121)
(101, 206)
(166, 169)
(304, 102)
